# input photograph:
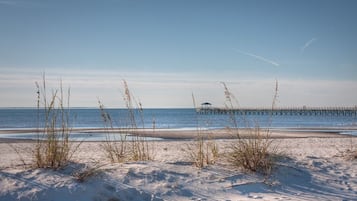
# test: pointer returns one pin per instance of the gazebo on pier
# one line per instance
(206, 105)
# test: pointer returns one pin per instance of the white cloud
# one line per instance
(174, 90)
(318, 92)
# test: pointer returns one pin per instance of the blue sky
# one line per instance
(166, 50)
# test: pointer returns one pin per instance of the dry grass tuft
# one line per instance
(53, 148)
(255, 153)
(202, 152)
(349, 152)
(115, 149)
(122, 149)
(352, 154)
(87, 172)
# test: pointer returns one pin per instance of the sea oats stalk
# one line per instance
(136, 149)
(256, 151)
(53, 148)
(202, 151)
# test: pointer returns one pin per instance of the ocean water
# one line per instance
(171, 119)
(180, 119)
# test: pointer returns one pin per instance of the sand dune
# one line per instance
(313, 169)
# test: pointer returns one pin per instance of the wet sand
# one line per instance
(172, 134)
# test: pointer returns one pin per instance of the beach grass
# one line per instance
(202, 151)
(257, 152)
(83, 174)
(53, 148)
(121, 150)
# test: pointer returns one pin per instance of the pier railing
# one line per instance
(302, 111)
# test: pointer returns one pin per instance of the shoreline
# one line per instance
(176, 134)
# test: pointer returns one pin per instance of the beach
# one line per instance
(313, 166)
(178, 100)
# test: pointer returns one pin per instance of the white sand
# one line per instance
(314, 171)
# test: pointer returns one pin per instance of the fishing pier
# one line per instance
(296, 111)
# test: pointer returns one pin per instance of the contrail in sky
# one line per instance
(307, 44)
(258, 57)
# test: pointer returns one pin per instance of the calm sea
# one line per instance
(181, 119)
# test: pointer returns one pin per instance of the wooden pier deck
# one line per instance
(300, 111)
